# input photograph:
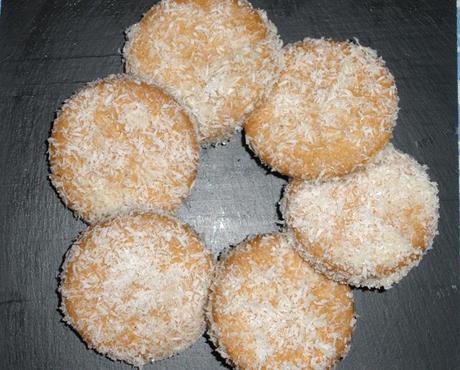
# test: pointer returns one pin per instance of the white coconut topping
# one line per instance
(217, 57)
(135, 287)
(368, 228)
(121, 144)
(332, 109)
(269, 310)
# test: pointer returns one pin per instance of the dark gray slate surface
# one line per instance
(50, 48)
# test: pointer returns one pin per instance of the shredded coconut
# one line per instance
(217, 57)
(135, 287)
(121, 144)
(370, 227)
(332, 109)
(269, 310)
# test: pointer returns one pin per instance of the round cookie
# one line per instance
(121, 144)
(135, 287)
(217, 57)
(269, 310)
(331, 111)
(368, 228)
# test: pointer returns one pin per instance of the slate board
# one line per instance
(48, 49)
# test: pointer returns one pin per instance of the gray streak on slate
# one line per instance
(48, 49)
